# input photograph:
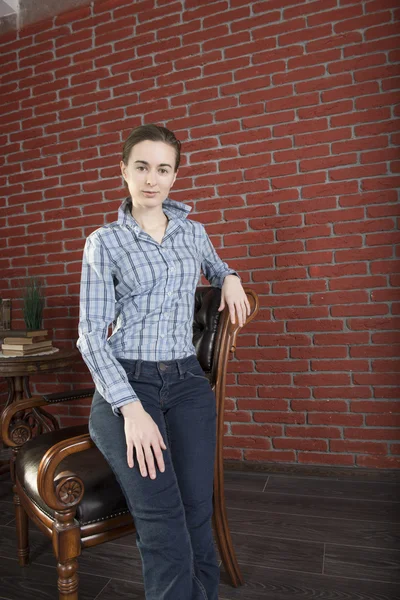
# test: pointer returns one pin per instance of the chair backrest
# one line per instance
(213, 334)
(205, 324)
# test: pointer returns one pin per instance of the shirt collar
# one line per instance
(172, 208)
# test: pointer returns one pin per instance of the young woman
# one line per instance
(153, 415)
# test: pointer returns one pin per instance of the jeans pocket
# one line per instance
(195, 376)
(196, 372)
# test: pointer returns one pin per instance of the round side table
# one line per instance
(17, 370)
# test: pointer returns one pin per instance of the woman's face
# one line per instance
(149, 173)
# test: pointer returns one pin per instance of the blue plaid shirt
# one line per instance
(146, 290)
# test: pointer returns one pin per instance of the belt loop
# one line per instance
(180, 369)
(137, 369)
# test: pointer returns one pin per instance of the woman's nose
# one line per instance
(150, 179)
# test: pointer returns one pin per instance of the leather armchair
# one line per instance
(63, 484)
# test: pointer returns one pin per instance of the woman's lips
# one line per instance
(149, 193)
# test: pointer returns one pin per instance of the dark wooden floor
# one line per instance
(296, 538)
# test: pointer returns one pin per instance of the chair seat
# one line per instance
(103, 497)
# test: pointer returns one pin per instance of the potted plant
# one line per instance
(33, 304)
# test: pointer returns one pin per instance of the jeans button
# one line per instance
(163, 366)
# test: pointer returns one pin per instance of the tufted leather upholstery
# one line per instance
(205, 324)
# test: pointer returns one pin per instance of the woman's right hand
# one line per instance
(143, 434)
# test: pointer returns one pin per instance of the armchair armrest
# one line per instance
(66, 489)
(35, 402)
(10, 412)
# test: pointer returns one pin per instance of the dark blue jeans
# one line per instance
(172, 513)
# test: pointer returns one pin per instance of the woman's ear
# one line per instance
(123, 169)
(174, 179)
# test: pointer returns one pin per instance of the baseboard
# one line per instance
(390, 475)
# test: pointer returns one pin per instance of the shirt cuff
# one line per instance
(230, 272)
(116, 409)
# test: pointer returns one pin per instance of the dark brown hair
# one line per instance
(154, 133)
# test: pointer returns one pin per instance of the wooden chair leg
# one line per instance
(68, 580)
(67, 548)
(22, 530)
(221, 527)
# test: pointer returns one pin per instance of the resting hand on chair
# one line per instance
(233, 294)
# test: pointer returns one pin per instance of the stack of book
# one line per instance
(24, 342)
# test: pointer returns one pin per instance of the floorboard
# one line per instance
(296, 538)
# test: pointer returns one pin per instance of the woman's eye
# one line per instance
(163, 171)
(140, 168)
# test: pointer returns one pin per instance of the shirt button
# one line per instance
(172, 268)
(169, 293)
(162, 335)
(136, 230)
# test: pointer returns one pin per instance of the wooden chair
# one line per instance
(62, 482)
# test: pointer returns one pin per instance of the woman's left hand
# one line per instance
(234, 296)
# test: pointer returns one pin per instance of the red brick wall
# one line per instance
(287, 113)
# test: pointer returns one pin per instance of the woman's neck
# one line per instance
(150, 220)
